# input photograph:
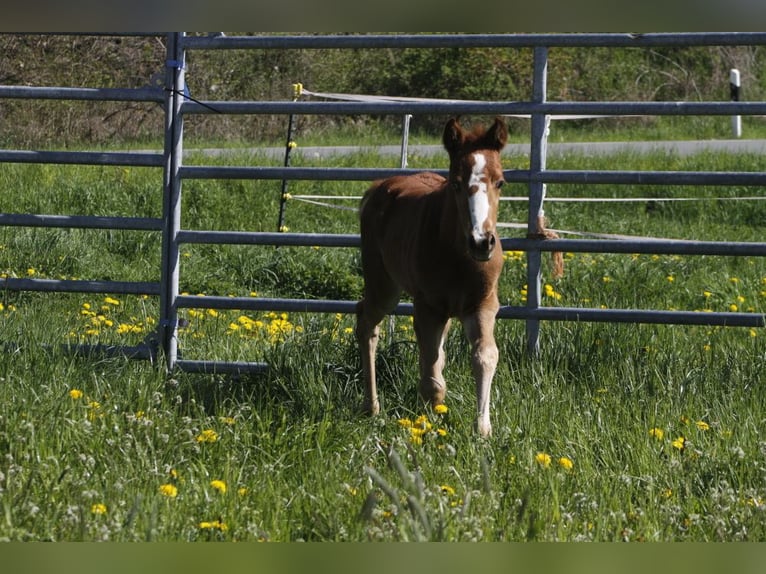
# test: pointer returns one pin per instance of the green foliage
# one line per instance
(616, 432)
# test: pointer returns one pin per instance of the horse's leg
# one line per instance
(479, 328)
(431, 329)
(381, 295)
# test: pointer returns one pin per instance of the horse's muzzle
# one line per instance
(481, 249)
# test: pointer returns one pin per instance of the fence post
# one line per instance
(405, 140)
(175, 85)
(537, 161)
(736, 121)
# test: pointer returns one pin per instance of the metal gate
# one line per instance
(178, 105)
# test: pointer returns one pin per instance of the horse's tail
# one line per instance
(557, 257)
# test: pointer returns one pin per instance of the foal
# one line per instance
(435, 238)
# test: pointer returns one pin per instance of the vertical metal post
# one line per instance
(289, 146)
(537, 161)
(405, 139)
(734, 88)
(175, 85)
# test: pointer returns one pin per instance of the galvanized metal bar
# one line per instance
(81, 221)
(143, 351)
(171, 205)
(220, 367)
(577, 314)
(83, 94)
(728, 178)
(505, 312)
(295, 173)
(475, 41)
(80, 286)
(630, 246)
(276, 304)
(536, 213)
(642, 246)
(266, 238)
(512, 175)
(476, 108)
(135, 159)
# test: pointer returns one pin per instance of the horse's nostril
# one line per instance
(492, 241)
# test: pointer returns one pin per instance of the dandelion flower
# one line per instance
(566, 463)
(98, 509)
(657, 433)
(219, 485)
(543, 459)
(75, 394)
(242, 491)
(207, 435)
(441, 409)
(447, 489)
(702, 425)
(214, 525)
(679, 443)
(169, 490)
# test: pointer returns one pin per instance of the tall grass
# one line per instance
(616, 432)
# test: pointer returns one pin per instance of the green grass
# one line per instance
(104, 448)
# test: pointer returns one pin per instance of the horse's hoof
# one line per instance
(433, 392)
(484, 428)
(370, 408)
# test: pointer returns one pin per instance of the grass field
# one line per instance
(616, 432)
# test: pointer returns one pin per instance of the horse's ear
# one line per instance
(453, 135)
(497, 135)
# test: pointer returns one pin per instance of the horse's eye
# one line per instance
(499, 184)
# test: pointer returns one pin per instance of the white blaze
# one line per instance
(478, 202)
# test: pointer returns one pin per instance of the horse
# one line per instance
(436, 239)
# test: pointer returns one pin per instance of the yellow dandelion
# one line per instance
(75, 394)
(543, 459)
(169, 490)
(447, 489)
(733, 308)
(214, 525)
(219, 485)
(98, 509)
(111, 301)
(679, 443)
(207, 435)
(406, 423)
(657, 433)
(242, 491)
(702, 425)
(566, 463)
(441, 409)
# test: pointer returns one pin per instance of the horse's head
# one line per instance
(475, 179)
